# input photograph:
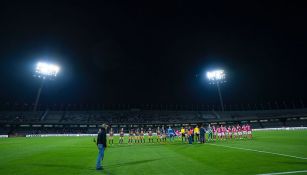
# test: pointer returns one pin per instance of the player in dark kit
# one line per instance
(142, 139)
(121, 136)
(111, 134)
(130, 139)
(158, 135)
(137, 136)
(186, 134)
(163, 134)
(150, 135)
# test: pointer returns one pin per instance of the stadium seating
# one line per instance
(71, 121)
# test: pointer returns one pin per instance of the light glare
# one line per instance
(45, 69)
(216, 75)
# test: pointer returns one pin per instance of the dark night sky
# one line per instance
(150, 52)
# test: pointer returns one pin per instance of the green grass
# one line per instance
(77, 155)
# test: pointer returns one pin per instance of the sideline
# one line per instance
(288, 172)
(259, 151)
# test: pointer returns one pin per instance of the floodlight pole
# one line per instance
(38, 95)
(220, 95)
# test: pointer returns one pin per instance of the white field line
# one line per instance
(288, 172)
(259, 151)
(282, 128)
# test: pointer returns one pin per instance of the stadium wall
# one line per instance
(94, 135)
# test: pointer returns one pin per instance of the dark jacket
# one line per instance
(102, 138)
(202, 131)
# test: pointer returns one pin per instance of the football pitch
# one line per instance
(267, 153)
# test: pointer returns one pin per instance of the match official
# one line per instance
(101, 145)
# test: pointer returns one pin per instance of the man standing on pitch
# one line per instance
(202, 134)
(102, 145)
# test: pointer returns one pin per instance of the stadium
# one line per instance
(137, 88)
(61, 141)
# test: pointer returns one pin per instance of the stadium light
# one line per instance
(217, 77)
(44, 71)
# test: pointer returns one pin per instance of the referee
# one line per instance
(101, 145)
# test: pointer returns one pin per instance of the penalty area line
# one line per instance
(259, 151)
(288, 172)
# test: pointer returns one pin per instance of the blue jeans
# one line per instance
(100, 155)
(202, 139)
(190, 139)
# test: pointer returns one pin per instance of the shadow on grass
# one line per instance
(91, 170)
(49, 165)
(135, 145)
(130, 163)
(80, 167)
(294, 163)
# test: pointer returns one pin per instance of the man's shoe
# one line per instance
(100, 168)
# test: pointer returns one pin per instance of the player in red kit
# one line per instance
(229, 132)
(214, 132)
(234, 132)
(223, 129)
(249, 131)
(219, 133)
(121, 136)
(239, 130)
(244, 131)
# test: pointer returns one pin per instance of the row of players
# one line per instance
(230, 132)
(137, 135)
(188, 134)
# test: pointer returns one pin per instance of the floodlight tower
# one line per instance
(217, 77)
(44, 71)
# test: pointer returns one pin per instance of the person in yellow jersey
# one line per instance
(182, 132)
(196, 131)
